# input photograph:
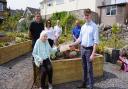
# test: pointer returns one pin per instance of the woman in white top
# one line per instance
(50, 33)
(58, 31)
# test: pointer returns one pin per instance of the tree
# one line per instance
(10, 22)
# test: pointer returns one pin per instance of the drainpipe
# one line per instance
(100, 15)
(45, 1)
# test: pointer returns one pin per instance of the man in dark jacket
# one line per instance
(35, 29)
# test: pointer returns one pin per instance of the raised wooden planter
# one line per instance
(10, 52)
(6, 39)
(68, 70)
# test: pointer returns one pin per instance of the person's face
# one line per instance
(48, 24)
(87, 17)
(77, 23)
(44, 37)
(37, 18)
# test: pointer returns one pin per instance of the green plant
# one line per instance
(115, 35)
(101, 46)
(10, 22)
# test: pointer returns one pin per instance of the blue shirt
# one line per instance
(89, 34)
(76, 31)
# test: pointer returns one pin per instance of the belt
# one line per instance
(91, 47)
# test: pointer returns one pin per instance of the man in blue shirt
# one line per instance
(76, 30)
(89, 38)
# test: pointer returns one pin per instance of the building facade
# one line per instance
(3, 7)
(53, 6)
(114, 12)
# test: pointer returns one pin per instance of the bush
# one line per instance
(67, 22)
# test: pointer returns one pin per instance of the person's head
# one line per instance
(77, 23)
(88, 15)
(37, 17)
(43, 36)
(123, 52)
(48, 23)
(58, 22)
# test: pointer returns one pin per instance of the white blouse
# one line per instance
(58, 31)
(50, 33)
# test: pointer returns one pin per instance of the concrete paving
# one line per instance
(18, 74)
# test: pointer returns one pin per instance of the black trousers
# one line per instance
(51, 42)
(46, 70)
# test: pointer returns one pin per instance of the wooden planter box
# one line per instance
(6, 39)
(10, 52)
(68, 70)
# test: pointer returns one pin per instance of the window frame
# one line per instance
(50, 3)
(109, 10)
(71, 0)
(1, 6)
(59, 2)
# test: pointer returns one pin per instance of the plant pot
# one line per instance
(107, 57)
(115, 55)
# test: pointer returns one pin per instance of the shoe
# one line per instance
(82, 86)
(50, 86)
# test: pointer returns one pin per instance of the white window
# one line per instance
(59, 2)
(50, 3)
(1, 6)
(71, 0)
(111, 10)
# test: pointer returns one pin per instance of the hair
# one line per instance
(123, 52)
(87, 11)
(42, 34)
(77, 22)
(48, 22)
(37, 13)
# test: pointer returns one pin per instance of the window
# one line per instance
(49, 3)
(1, 6)
(71, 0)
(59, 2)
(111, 10)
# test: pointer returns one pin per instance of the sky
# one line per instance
(22, 4)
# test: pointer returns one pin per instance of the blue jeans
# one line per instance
(87, 66)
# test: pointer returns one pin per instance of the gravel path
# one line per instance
(17, 74)
(112, 79)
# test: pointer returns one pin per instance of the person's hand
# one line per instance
(92, 57)
(41, 62)
(58, 49)
(72, 47)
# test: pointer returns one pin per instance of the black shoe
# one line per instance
(91, 88)
(82, 86)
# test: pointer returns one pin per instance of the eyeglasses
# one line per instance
(86, 15)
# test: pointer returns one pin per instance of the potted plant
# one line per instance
(116, 40)
(108, 54)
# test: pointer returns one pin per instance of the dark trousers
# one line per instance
(33, 42)
(51, 42)
(35, 68)
(46, 70)
(87, 66)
